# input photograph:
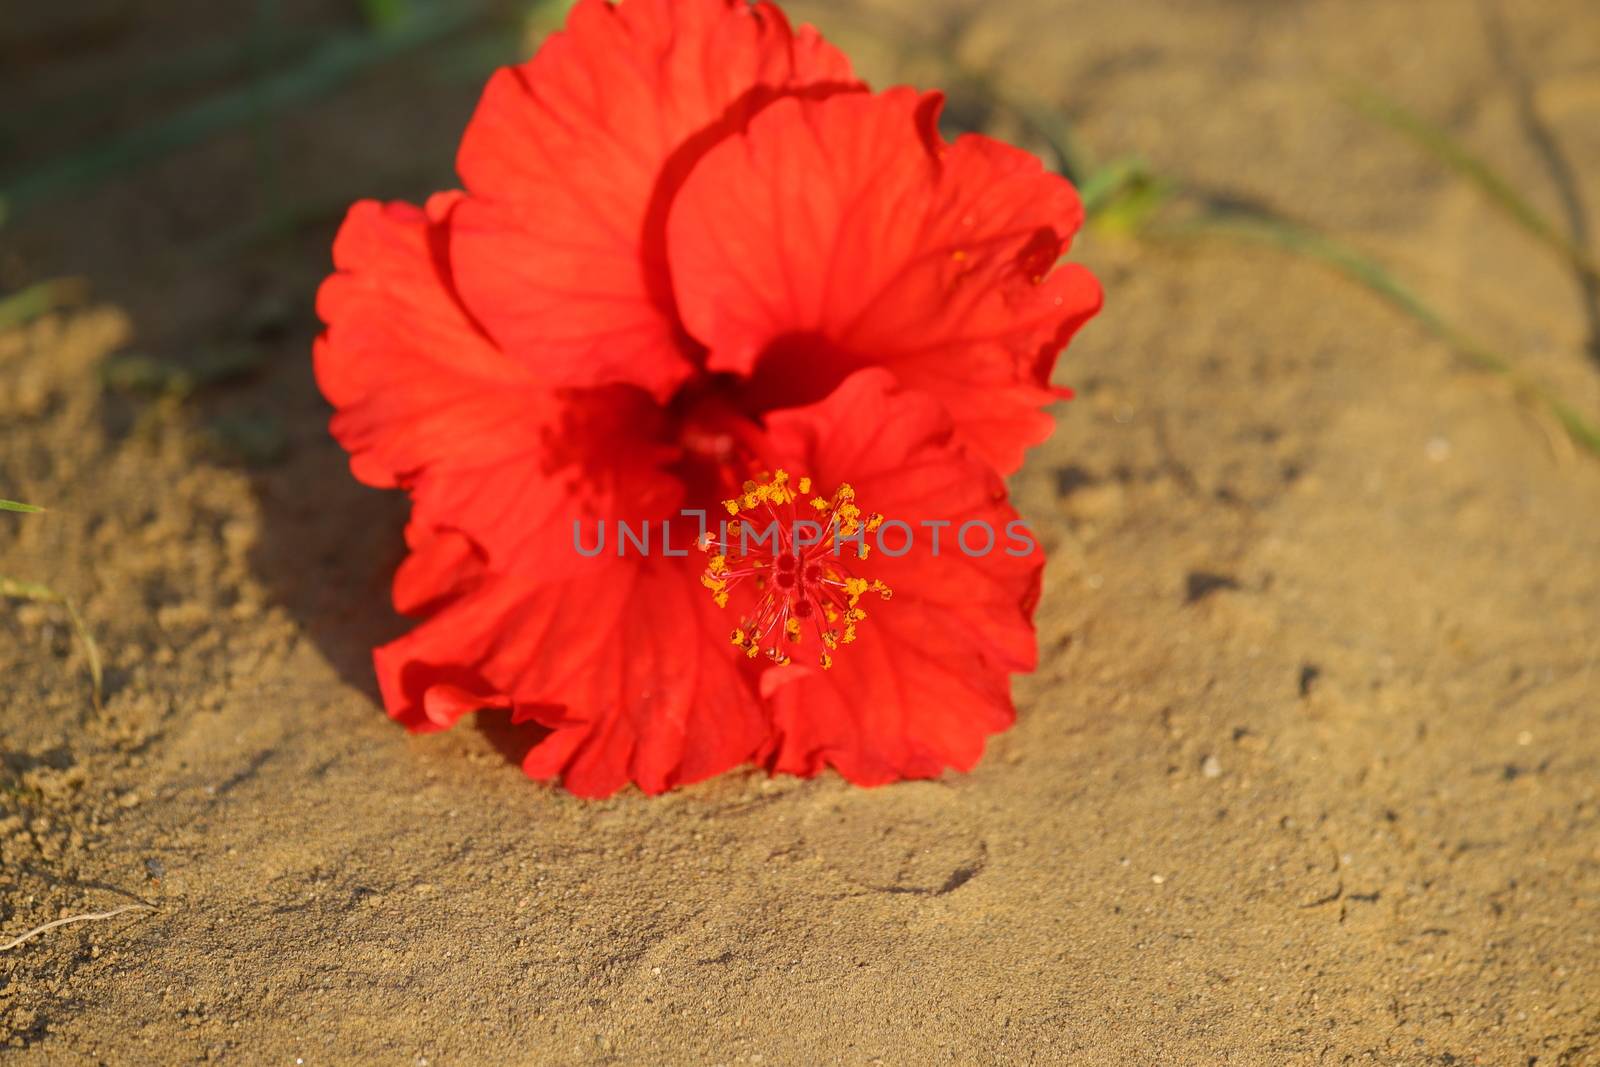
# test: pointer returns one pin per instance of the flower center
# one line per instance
(794, 551)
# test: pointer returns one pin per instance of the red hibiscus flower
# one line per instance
(697, 264)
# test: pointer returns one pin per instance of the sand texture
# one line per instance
(1309, 774)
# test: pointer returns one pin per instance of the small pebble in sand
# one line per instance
(1211, 767)
(1158, 879)
(1524, 739)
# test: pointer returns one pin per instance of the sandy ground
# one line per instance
(1310, 772)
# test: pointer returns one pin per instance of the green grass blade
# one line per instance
(1124, 194)
(177, 70)
(19, 590)
(1291, 237)
(1438, 143)
(386, 15)
(1262, 228)
(91, 654)
(25, 305)
(323, 71)
(12, 505)
(1578, 428)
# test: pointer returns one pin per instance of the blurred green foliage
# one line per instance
(150, 376)
(25, 305)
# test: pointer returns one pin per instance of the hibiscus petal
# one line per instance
(443, 565)
(573, 157)
(928, 677)
(414, 382)
(427, 402)
(445, 704)
(844, 233)
(627, 664)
